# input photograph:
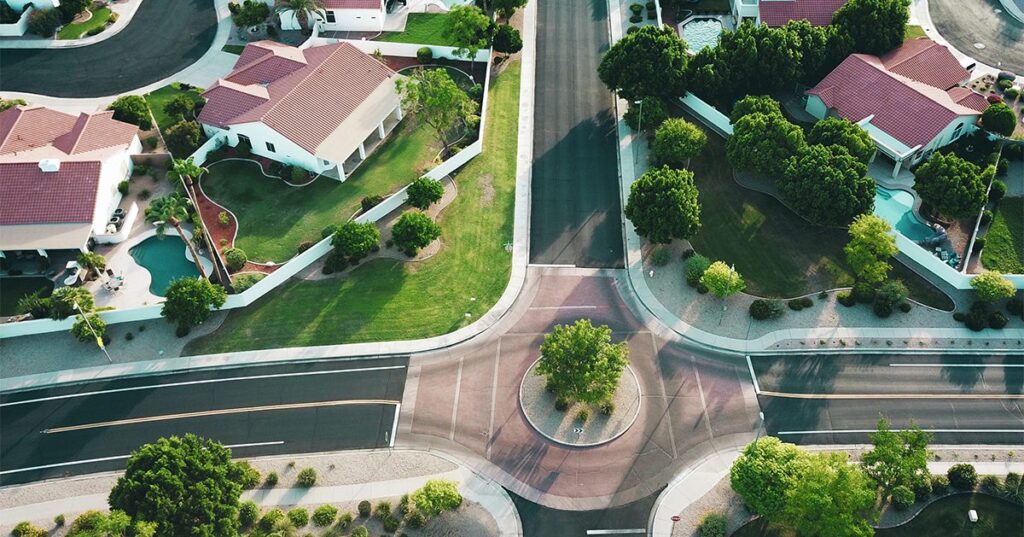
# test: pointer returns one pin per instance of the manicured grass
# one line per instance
(421, 29)
(159, 98)
(388, 300)
(13, 288)
(913, 32)
(274, 217)
(233, 49)
(1004, 243)
(74, 31)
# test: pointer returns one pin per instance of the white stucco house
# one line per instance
(59, 175)
(343, 16)
(19, 5)
(317, 108)
(779, 12)
(910, 100)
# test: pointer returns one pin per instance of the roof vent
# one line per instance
(49, 165)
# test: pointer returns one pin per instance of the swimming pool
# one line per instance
(701, 33)
(897, 208)
(164, 258)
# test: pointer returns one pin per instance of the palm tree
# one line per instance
(93, 262)
(302, 9)
(172, 209)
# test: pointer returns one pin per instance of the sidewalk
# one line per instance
(125, 10)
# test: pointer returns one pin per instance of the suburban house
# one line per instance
(59, 175)
(779, 12)
(19, 5)
(910, 100)
(316, 108)
(344, 16)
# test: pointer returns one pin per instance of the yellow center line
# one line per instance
(221, 412)
(893, 395)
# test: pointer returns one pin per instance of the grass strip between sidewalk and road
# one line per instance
(386, 300)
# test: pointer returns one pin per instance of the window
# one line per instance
(327, 163)
(243, 139)
(956, 131)
(270, 147)
(330, 17)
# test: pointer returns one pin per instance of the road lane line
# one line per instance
(118, 457)
(220, 412)
(562, 307)
(894, 395)
(394, 426)
(956, 365)
(841, 431)
(750, 366)
(205, 381)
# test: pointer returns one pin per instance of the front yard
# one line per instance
(159, 98)
(1004, 243)
(388, 300)
(79, 29)
(421, 29)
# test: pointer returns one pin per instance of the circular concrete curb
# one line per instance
(629, 424)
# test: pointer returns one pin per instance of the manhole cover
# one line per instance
(979, 46)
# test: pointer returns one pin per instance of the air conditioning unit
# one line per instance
(49, 165)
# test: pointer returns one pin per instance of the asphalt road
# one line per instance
(838, 399)
(293, 408)
(540, 521)
(966, 22)
(164, 37)
(576, 212)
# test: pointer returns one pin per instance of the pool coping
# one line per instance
(138, 239)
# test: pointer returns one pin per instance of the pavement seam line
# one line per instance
(703, 402)
(494, 398)
(668, 404)
(455, 404)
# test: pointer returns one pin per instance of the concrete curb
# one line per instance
(39, 44)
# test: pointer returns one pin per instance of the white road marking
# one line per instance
(635, 531)
(840, 431)
(976, 396)
(750, 366)
(455, 405)
(206, 381)
(956, 365)
(394, 426)
(118, 457)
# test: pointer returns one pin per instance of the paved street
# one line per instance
(576, 214)
(294, 408)
(164, 37)
(966, 22)
(540, 521)
(837, 399)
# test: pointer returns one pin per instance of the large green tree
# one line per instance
(437, 100)
(876, 26)
(898, 457)
(722, 280)
(828, 186)
(469, 29)
(822, 49)
(132, 109)
(190, 301)
(999, 118)
(762, 143)
(507, 40)
(436, 496)
(992, 286)
(663, 205)
(186, 485)
(581, 363)
(872, 244)
(830, 498)
(763, 475)
(763, 104)
(759, 59)
(183, 138)
(63, 301)
(355, 241)
(677, 141)
(414, 230)
(951, 185)
(507, 8)
(845, 133)
(650, 62)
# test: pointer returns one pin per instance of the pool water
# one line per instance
(897, 208)
(701, 33)
(164, 258)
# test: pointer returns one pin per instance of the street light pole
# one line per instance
(99, 340)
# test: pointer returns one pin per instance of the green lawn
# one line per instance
(275, 218)
(421, 29)
(913, 32)
(74, 31)
(233, 49)
(387, 300)
(159, 98)
(1004, 243)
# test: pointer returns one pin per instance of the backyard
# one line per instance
(13, 288)
(1004, 243)
(421, 29)
(274, 217)
(159, 98)
(388, 300)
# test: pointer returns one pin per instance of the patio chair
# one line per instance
(110, 272)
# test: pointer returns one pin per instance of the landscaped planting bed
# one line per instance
(1004, 243)
(77, 30)
(421, 29)
(392, 300)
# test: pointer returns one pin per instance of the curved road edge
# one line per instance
(123, 19)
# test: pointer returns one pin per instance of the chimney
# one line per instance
(49, 165)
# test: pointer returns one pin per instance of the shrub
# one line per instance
(243, 282)
(713, 525)
(846, 298)
(940, 484)
(223, 218)
(324, 516)
(235, 258)
(882, 309)
(998, 191)
(370, 202)
(248, 476)
(863, 292)
(991, 484)
(413, 231)
(695, 267)
(424, 55)
(688, 253)
(976, 321)
(902, 497)
(132, 109)
(562, 404)
(607, 408)
(795, 304)
(905, 307)
(329, 230)
(345, 520)
(299, 517)
(383, 510)
(360, 532)
(270, 519)
(123, 187)
(43, 22)
(248, 514)
(761, 309)
(390, 524)
(636, 8)
(183, 138)
(1011, 94)
(59, 519)
(997, 320)
(986, 217)
(25, 529)
(354, 241)
(415, 519)
(151, 142)
(960, 317)
(962, 476)
(270, 480)
(649, 115)
(307, 478)
(1011, 487)
(364, 509)
(95, 30)
(299, 175)
(660, 257)
(423, 192)
(403, 504)
(88, 327)
(806, 302)
(636, 18)
(979, 243)
(1015, 306)
(583, 415)
(144, 194)
(922, 489)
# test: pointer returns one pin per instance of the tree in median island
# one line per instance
(132, 109)
(64, 300)
(436, 496)
(507, 40)
(663, 205)
(827, 185)
(951, 185)
(436, 100)
(190, 300)
(999, 119)
(992, 286)
(507, 8)
(355, 241)
(183, 484)
(844, 133)
(183, 138)
(830, 497)
(762, 144)
(173, 209)
(301, 8)
(899, 458)
(414, 230)
(751, 104)
(470, 30)
(89, 328)
(764, 473)
(580, 362)
(677, 141)
(650, 62)
(876, 26)
(423, 192)
(872, 243)
(722, 280)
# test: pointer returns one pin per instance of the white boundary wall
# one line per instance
(403, 50)
(16, 29)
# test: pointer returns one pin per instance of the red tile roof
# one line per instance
(925, 61)
(305, 101)
(354, 4)
(970, 99)
(779, 12)
(26, 128)
(911, 112)
(31, 196)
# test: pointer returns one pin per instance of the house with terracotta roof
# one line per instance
(910, 100)
(343, 16)
(779, 12)
(317, 108)
(59, 175)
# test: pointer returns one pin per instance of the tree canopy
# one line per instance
(414, 230)
(189, 301)
(763, 475)
(827, 185)
(64, 299)
(507, 40)
(722, 280)
(438, 101)
(469, 28)
(830, 497)
(663, 205)
(951, 185)
(132, 109)
(762, 144)
(183, 138)
(992, 286)
(423, 192)
(872, 244)
(581, 363)
(999, 118)
(650, 62)
(875, 26)
(898, 457)
(355, 241)
(507, 8)
(763, 104)
(436, 496)
(759, 59)
(677, 141)
(844, 133)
